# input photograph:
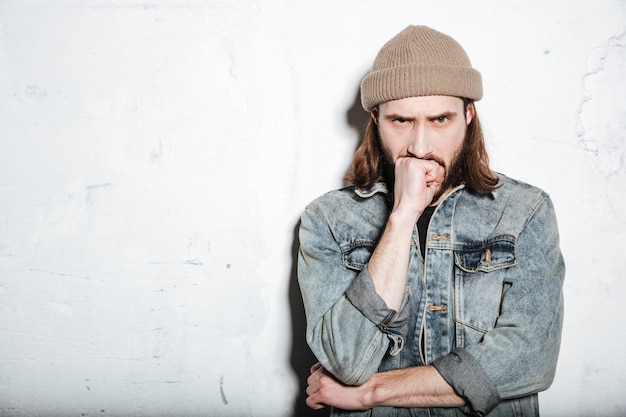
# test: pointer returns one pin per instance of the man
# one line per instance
(432, 285)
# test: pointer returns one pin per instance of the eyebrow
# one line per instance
(393, 116)
(449, 114)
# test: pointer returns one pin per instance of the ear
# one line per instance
(470, 112)
(374, 115)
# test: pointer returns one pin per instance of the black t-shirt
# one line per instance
(422, 227)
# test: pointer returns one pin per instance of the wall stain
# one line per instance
(224, 400)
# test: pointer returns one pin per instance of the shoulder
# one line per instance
(349, 211)
(518, 195)
(512, 185)
(509, 192)
(506, 211)
(351, 199)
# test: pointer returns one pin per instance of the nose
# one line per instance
(419, 144)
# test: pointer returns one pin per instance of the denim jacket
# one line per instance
(484, 306)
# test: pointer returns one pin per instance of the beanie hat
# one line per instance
(420, 61)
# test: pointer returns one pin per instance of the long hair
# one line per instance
(370, 165)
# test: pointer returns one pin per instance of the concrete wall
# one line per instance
(155, 157)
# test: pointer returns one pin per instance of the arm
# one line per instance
(348, 343)
(416, 182)
(420, 386)
(342, 304)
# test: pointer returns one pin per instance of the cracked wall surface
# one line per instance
(602, 117)
(601, 124)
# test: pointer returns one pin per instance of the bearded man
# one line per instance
(432, 285)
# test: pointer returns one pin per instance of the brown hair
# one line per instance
(370, 165)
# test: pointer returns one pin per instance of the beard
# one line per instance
(454, 176)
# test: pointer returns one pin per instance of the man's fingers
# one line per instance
(416, 183)
(314, 405)
(430, 169)
(435, 174)
(315, 367)
(314, 385)
(313, 381)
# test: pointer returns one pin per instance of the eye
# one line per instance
(441, 119)
(400, 121)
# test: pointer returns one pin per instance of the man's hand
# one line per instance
(416, 183)
(325, 390)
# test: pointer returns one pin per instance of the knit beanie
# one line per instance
(420, 61)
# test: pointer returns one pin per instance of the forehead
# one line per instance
(423, 104)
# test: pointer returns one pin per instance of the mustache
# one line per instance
(437, 160)
(434, 158)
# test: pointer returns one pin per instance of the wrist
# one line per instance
(373, 393)
(403, 219)
(408, 208)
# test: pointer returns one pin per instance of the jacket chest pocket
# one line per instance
(479, 285)
(356, 254)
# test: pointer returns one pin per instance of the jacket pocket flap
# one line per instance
(356, 254)
(495, 254)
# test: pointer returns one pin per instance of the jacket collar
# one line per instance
(377, 187)
(381, 187)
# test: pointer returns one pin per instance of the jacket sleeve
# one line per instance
(349, 327)
(518, 356)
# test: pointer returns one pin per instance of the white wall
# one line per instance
(156, 156)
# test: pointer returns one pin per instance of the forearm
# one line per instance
(414, 387)
(388, 265)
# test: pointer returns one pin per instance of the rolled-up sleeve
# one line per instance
(349, 329)
(362, 294)
(468, 379)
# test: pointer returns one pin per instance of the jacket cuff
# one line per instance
(464, 374)
(363, 296)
